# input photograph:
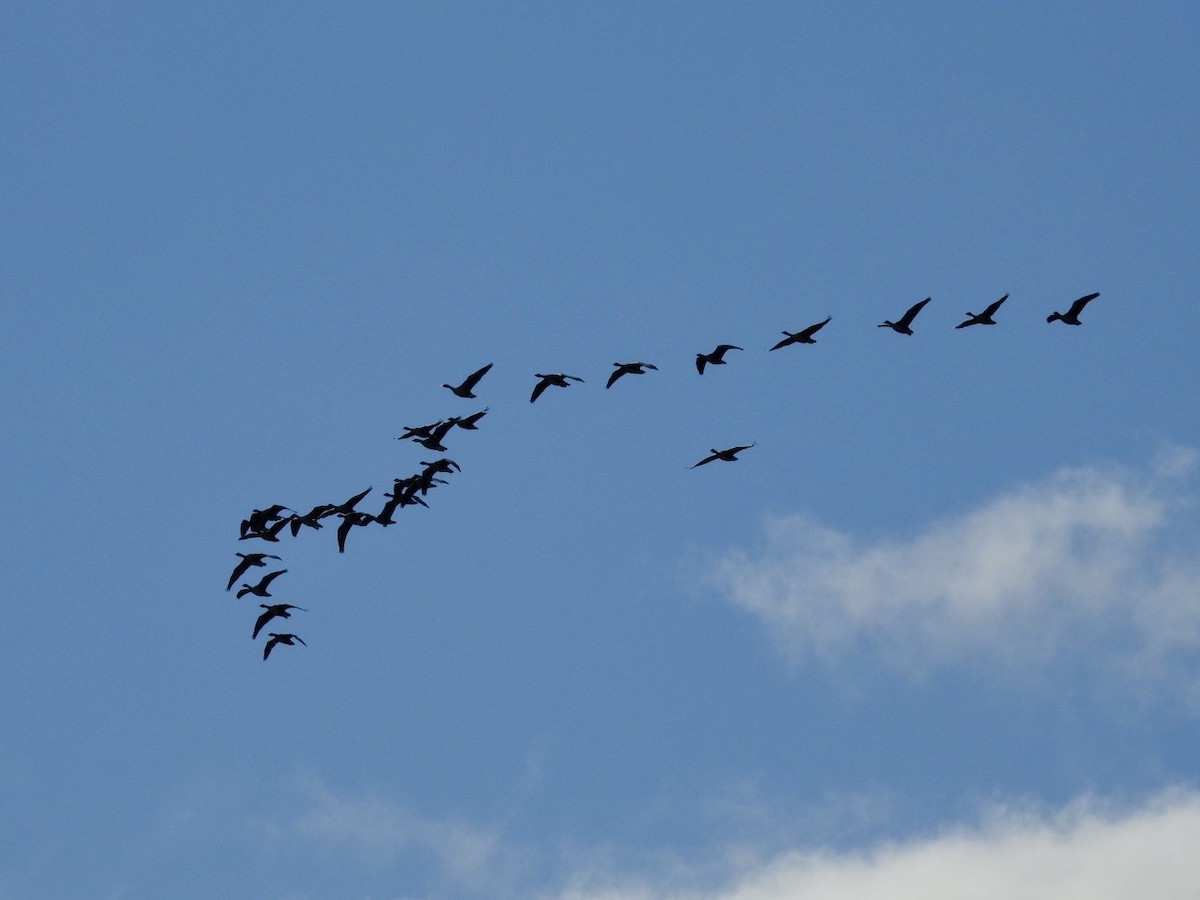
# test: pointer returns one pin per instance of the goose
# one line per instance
(1071, 316)
(270, 533)
(466, 389)
(557, 379)
(904, 326)
(802, 337)
(419, 431)
(716, 358)
(630, 368)
(349, 520)
(340, 509)
(274, 610)
(441, 465)
(280, 639)
(727, 455)
(259, 519)
(247, 560)
(434, 440)
(260, 589)
(469, 422)
(985, 317)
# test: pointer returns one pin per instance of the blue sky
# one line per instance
(935, 633)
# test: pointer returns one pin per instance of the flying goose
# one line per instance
(468, 422)
(558, 379)
(1071, 316)
(904, 326)
(466, 389)
(985, 317)
(260, 589)
(716, 358)
(280, 639)
(274, 610)
(629, 368)
(727, 455)
(802, 337)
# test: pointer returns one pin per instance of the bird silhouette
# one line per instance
(260, 589)
(433, 441)
(557, 379)
(727, 455)
(349, 520)
(280, 639)
(469, 422)
(802, 337)
(985, 317)
(269, 533)
(630, 368)
(274, 610)
(247, 560)
(716, 358)
(904, 326)
(413, 432)
(466, 389)
(1071, 316)
(259, 519)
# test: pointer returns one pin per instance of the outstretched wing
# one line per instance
(907, 319)
(1078, 305)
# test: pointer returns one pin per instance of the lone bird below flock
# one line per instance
(904, 326)
(802, 337)
(466, 389)
(716, 358)
(274, 610)
(629, 368)
(985, 317)
(260, 589)
(248, 560)
(729, 454)
(557, 379)
(280, 639)
(1071, 316)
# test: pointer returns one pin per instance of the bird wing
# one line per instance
(538, 388)
(706, 459)
(238, 570)
(263, 619)
(473, 378)
(908, 317)
(617, 373)
(991, 310)
(813, 329)
(267, 579)
(270, 645)
(300, 639)
(701, 359)
(790, 339)
(1078, 305)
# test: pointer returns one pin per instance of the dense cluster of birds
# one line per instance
(268, 523)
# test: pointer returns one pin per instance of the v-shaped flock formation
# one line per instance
(268, 523)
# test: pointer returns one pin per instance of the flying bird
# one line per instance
(247, 560)
(259, 519)
(557, 379)
(727, 455)
(340, 509)
(269, 533)
(469, 422)
(985, 317)
(467, 388)
(280, 639)
(260, 589)
(349, 520)
(904, 326)
(419, 431)
(716, 358)
(630, 368)
(1071, 316)
(279, 610)
(433, 441)
(802, 337)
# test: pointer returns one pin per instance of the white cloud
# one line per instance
(1083, 853)
(474, 859)
(1082, 558)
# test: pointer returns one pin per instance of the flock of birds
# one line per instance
(269, 523)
